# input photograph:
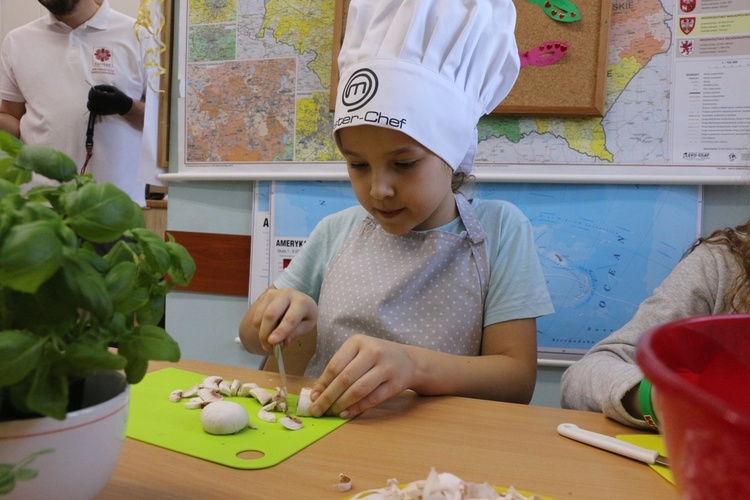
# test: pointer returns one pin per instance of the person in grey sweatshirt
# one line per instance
(713, 278)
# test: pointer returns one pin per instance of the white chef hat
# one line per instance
(428, 68)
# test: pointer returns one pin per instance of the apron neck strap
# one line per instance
(473, 227)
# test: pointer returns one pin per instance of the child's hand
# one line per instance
(363, 373)
(280, 315)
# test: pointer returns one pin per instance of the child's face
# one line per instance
(397, 180)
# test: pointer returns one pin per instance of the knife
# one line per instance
(612, 444)
(282, 372)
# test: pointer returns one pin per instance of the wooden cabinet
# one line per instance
(155, 214)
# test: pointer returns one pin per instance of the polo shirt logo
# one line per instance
(360, 89)
(102, 54)
(103, 61)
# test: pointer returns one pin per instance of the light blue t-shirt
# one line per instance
(517, 286)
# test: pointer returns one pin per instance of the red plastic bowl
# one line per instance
(700, 370)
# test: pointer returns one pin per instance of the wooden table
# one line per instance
(501, 443)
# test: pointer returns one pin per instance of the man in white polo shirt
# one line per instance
(82, 58)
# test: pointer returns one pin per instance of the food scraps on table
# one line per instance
(438, 486)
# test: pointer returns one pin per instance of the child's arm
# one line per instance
(367, 371)
(279, 315)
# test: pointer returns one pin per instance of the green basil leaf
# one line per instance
(134, 301)
(46, 161)
(7, 187)
(154, 248)
(44, 193)
(34, 212)
(139, 220)
(69, 237)
(156, 343)
(149, 342)
(151, 311)
(85, 286)
(136, 369)
(120, 325)
(11, 145)
(45, 311)
(95, 260)
(48, 394)
(81, 360)
(30, 254)
(19, 353)
(12, 174)
(183, 265)
(100, 212)
(127, 297)
(122, 252)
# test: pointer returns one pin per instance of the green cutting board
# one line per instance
(156, 420)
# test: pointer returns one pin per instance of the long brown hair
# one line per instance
(737, 241)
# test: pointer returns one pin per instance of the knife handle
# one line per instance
(608, 443)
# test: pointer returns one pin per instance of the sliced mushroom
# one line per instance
(280, 399)
(193, 391)
(304, 402)
(291, 423)
(212, 382)
(262, 395)
(214, 389)
(196, 404)
(265, 413)
(234, 387)
(246, 388)
(225, 388)
(207, 394)
(175, 396)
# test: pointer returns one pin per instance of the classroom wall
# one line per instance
(205, 325)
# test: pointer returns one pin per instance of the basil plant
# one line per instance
(82, 282)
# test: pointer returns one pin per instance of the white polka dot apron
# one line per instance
(425, 289)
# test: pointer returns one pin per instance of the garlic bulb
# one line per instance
(224, 417)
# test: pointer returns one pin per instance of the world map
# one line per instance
(603, 248)
(258, 76)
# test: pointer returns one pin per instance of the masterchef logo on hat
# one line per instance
(371, 117)
(360, 89)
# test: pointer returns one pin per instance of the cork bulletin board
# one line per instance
(573, 86)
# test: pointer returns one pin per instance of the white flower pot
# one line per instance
(44, 458)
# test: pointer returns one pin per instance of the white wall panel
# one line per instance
(14, 13)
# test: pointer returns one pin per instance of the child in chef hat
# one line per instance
(417, 288)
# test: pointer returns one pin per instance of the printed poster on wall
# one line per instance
(710, 101)
(255, 79)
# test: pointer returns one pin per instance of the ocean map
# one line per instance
(603, 248)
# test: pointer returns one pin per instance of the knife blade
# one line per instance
(612, 444)
(282, 372)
